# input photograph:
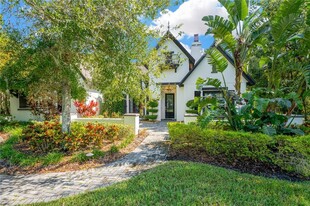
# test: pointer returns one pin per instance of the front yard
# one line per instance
(185, 183)
(40, 148)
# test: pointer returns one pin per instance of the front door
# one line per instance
(169, 105)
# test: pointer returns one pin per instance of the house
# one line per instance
(21, 111)
(177, 84)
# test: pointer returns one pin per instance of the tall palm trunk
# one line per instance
(239, 71)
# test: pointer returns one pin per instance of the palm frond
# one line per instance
(217, 60)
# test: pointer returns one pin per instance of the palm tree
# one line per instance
(236, 34)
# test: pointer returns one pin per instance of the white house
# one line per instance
(21, 111)
(177, 85)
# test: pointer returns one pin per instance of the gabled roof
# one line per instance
(250, 80)
(169, 35)
(228, 57)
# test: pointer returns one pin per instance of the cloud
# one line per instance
(189, 16)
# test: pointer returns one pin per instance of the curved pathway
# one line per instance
(26, 189)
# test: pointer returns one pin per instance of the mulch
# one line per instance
(244, 166)
(66, 165)
(3, 137)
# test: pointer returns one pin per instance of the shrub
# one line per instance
(47, 136)
(44, 136)
(152, 110)
(291, 154)
(86, 110)
(151, 117)
(191, 111)
(153, 104)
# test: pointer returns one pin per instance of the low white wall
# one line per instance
(130, 119)
(297, 120)
(188, 118)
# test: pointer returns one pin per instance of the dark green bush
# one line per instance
(153, 104)
(291, 154)
(191, 111)
(153, 110)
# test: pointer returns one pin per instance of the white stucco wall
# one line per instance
(186, 92)
(204, 70)
(21, 114)
(170, 75)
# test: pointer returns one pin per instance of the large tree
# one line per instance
(237, 34)
(66, 38)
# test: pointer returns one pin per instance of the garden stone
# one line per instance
(28, 189)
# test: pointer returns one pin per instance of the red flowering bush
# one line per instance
(86, 110)
(47, 136)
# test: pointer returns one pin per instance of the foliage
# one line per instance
(66, 39)
(43, 100)
(280, 60)
(86, 110)
(289, 153)
(52, 158)
(110, 106)
(10, 150)
(237, 34)
(188, 183)
(193, 107)
(152, 110)
(46, 136)
(267, 115)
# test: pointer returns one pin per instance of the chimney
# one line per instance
(196, 38)
(196, 49)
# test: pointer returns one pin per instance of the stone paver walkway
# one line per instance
(26, 189)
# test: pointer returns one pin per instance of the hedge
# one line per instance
(290, 153)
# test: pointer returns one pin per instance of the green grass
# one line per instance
(15, 157)
(182, 183)
(52, 158)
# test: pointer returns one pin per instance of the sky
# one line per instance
(189, 16)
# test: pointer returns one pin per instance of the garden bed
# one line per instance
(18, 157)
(279, 156)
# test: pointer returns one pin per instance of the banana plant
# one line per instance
(237, 34)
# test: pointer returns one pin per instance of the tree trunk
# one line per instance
(5, 103)
(66, 107)
(239, 70)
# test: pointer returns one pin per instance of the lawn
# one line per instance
(185, 183)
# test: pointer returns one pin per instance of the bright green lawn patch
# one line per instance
(183, 183)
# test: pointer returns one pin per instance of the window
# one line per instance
(215, 93)
(197, 93)
(171, 60)
(23, 104)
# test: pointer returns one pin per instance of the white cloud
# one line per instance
(189, 16)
